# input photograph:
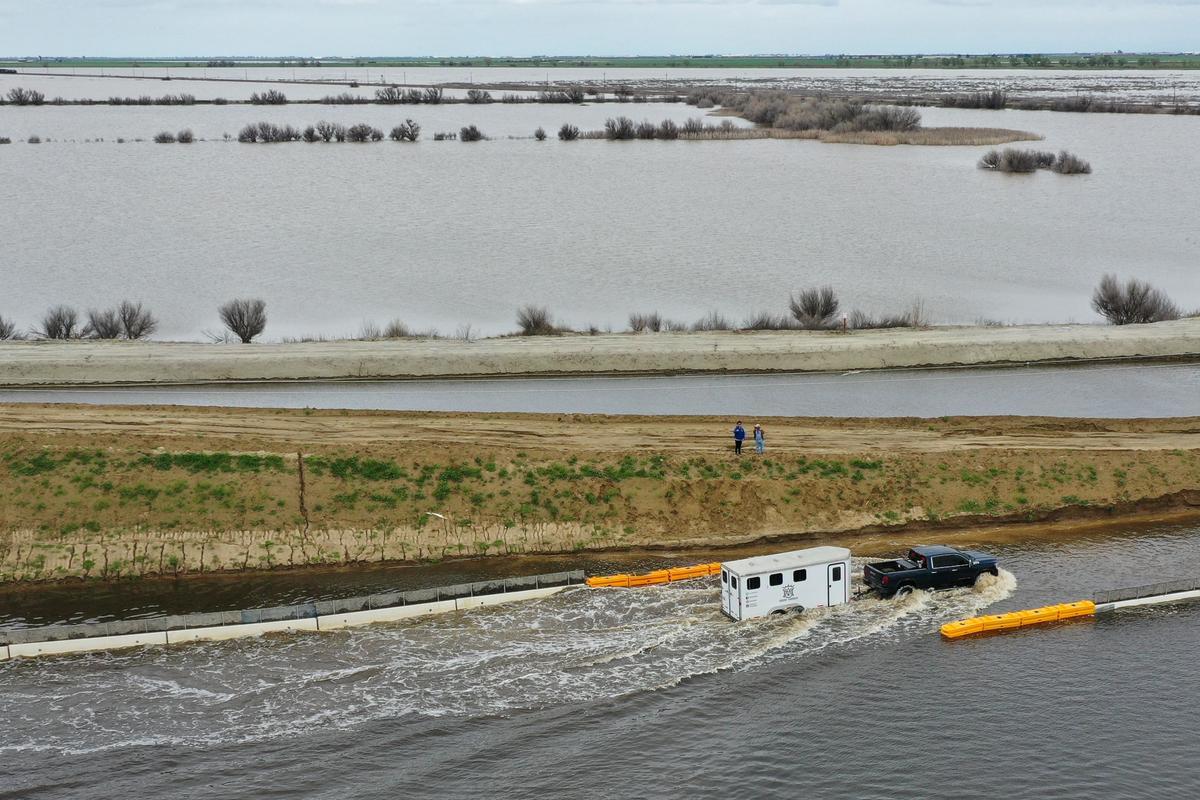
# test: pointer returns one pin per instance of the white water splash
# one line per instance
(580, 645)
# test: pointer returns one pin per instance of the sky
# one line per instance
(590, 27)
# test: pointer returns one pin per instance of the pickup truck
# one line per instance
(928, 567)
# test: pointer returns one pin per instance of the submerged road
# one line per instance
(1112, 390)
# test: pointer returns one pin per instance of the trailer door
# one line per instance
(837, 584)
(725, 605)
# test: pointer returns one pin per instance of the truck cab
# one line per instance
(929, 567)
(794, 581)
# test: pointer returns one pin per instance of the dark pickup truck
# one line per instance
(928, 567)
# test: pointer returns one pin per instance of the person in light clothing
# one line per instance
(760, 439)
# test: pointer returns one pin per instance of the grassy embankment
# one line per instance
(106, 493)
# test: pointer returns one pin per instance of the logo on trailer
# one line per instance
(789, 592)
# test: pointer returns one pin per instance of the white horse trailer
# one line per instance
(812, 578)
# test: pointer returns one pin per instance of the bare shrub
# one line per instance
(668, 130)
(25, 97)
(185, 136)
(164, 137)
(640, 323)
(328, 131)
(991, 160)
(1022, 161)
(1044, 160)
(995, 100)
(443, 136)
(271, 97)
(60, 322)
(362, 132)
(645, 130)
(568, 132)
(5, 140)
(409, 131)
(693, 126)
(675, 326)
(432, 95)
(1137, 302)
(861, 321)
(814, 308)
(370, 331)
(1068, 164)
(104, 324)
(136, 321)
(766, 321)
(540, 134)
(389, 94)
(470, 133)
(712, 321)
(535, 321)
(573, 94)
(268, 132)
(34, 140)
(621, 128)
(396, 329)
(344, 99)
(883, 118)
(245, 318)
(310, 135)
(8, 329)
(918, 316)
(478, 96)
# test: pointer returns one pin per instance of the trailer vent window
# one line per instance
(776, 579)
(799, 575)
(724, 576)
(753, 583)
(733, 581)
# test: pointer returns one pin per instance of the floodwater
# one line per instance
(650, 692)
(1166, 86)
(442, 234)
(1110, 390)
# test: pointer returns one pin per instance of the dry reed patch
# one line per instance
(933, 136)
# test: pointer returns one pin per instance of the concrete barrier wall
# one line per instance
(222, 632)
(465, 603)
(86, 645)
(314, 624)
(353, 619)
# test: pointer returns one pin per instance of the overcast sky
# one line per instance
(599, 27)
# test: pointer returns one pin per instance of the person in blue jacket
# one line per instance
(760, 439)
(739, 436)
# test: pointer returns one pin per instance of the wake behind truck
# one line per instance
(929, 567)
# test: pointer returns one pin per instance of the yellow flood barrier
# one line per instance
(1018, 619)
(658, 576)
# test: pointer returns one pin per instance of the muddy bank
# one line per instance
(102, 492)
(83, 363)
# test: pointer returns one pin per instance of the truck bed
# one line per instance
(899, 565)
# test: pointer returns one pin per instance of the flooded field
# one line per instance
(542, 698)
(1161, 85)
(442, 234)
